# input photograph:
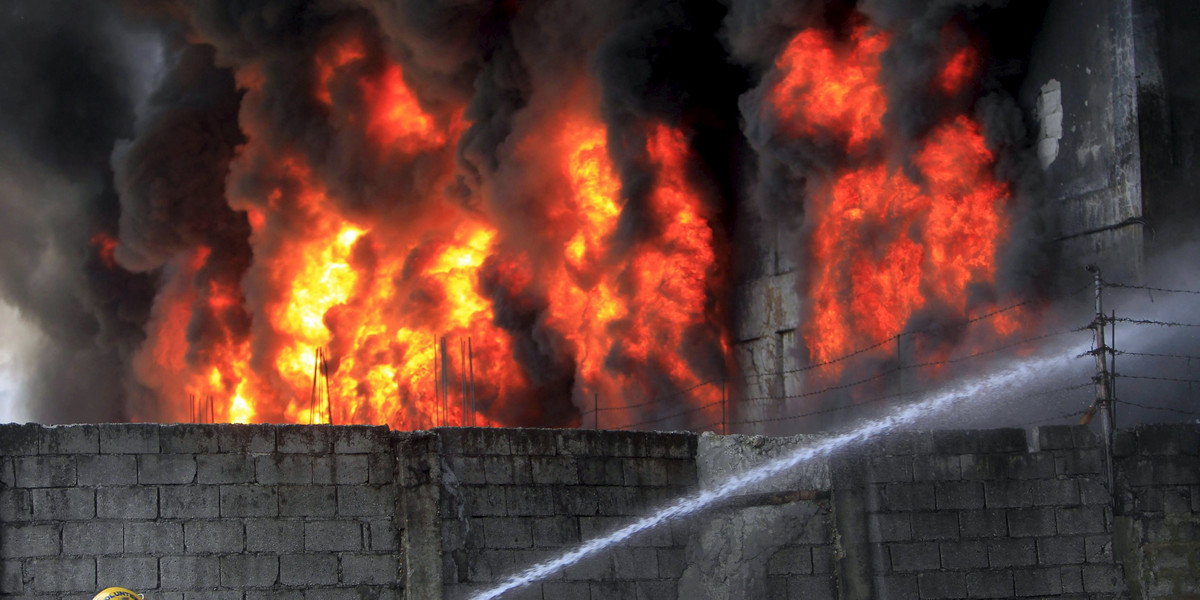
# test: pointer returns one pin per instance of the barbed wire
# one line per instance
(1150, 322)
(1162, 408)
(1069, 415)
(1149, 288)
(1156, 378)
(1157, 355)
(671, 416)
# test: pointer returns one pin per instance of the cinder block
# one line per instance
(931, 467)
(612, 500)
(10, 575)
(1168, 440)
(1037, 582)
(365, 500)
(45, 471)
(333, 536)
(382, 536)
(1093, 491)
(938, 585)
(601, 471)
(15, 505)
(822, 559)
(480, 501)
(156, 538)
(129, 438)
(283, 468)
(671, 562)
(69, 439)
(811, 586)
(889, 469)
(1071, 578)
(1060, 550)
(635, 562)
(681, 473)
(1098, 549)
(189, 573)
(307, 500)
(890, 527)
(127, 502)
(134, 572)
(381, 468)
(1177, 470)
(552, 470)
(467, 470)
(639, 471)
(189, 438)
(242, 571)
(1017, 552)
(168, 469)
(579, 500)
(555, 532)
(308, 569)
(92, 538)
(507, 532)
(941, 525)
(22, 540)
(497, 470)
(1086, 461)
(274, 535)
(8, 475)
(303, 439)
(107, 469)
(239, 438)
(1031, 522)
(918, 556)
(370, 569)
(906, 496)
(343, 469)
(214, 536)
(789, 560)
(1008, 493)
(964, 555)
(1054, 437)
(522, 470)
(656, 590)
(528, 501)
(1080, 520)
(989, 584)
(959, 495)
(612, 590)
(19, 440)
(224, 468)
(896, 586)
(189, 502)
(1030, 466)
(1103, 579)
(566, 590)
(248, 501)
(983, 467)
(60, 574)
(360, 439)
(63, 504)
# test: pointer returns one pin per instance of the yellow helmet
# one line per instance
(117, 593)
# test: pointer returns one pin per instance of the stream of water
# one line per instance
(1017, 374)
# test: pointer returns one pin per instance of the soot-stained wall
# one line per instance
(255, 512)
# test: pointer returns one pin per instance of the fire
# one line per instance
(886, 241)
(832, 88)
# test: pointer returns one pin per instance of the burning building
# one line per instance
(638, 214)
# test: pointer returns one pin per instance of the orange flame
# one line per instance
(883, 245)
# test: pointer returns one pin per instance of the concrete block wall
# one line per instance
(198, 511)
(1158, 508)
(514, 497)
(973, 514)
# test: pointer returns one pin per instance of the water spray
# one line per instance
(1019, 372)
